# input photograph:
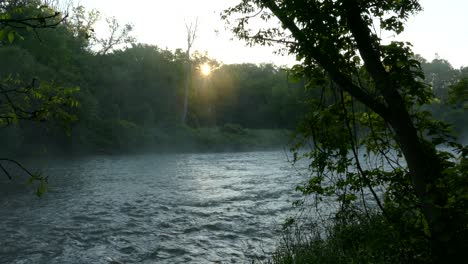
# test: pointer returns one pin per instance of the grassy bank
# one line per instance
(122, 137)
(188, 139)
(361, 239)
(227, 138)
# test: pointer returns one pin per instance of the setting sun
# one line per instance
(205, 69)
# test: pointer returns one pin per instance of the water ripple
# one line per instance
(184, 208)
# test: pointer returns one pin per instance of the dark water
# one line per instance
(184, 208)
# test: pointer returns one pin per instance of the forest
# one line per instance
(129, 95)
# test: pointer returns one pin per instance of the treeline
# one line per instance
(450, 86)
(131, 94)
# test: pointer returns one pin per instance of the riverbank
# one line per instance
(361, 238)
(127, 139)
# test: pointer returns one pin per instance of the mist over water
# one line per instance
(181, 208)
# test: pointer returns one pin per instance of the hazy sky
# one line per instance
(441, 28)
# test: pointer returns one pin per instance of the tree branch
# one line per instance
(37, 22)
(338, 77)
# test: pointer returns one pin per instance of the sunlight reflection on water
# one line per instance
(180, 208)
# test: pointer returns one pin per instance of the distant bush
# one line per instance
(232, 129)
(117, 136)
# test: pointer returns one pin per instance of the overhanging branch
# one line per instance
(338, 77)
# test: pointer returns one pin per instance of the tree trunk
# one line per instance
(191, 35)
(187, 86)
(425, 169)
(423, 164)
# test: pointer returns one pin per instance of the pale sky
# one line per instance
(441, 28)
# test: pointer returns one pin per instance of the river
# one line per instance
(173, 208)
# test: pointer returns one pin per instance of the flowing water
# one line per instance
(178, 208)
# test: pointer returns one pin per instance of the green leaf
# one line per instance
(42, 188)
(5, 16)
(2, 34)
(31, 180)
(11, 36)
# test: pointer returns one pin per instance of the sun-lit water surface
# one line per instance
(181, 208)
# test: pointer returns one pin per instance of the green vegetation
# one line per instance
(362, 239)
(131, 95)
(22, 99)
(450, 87)
(370, 129)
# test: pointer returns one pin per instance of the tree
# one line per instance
(336, 41)
(191, 36)
(29, 100)
(118, 36)
(81, 23)
(440, 74)
(458, 93)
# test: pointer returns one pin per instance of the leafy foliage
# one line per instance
(30, 15)
(130, 95)
(368, 131)
(36, 101)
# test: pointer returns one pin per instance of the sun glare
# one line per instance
(205, 69)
